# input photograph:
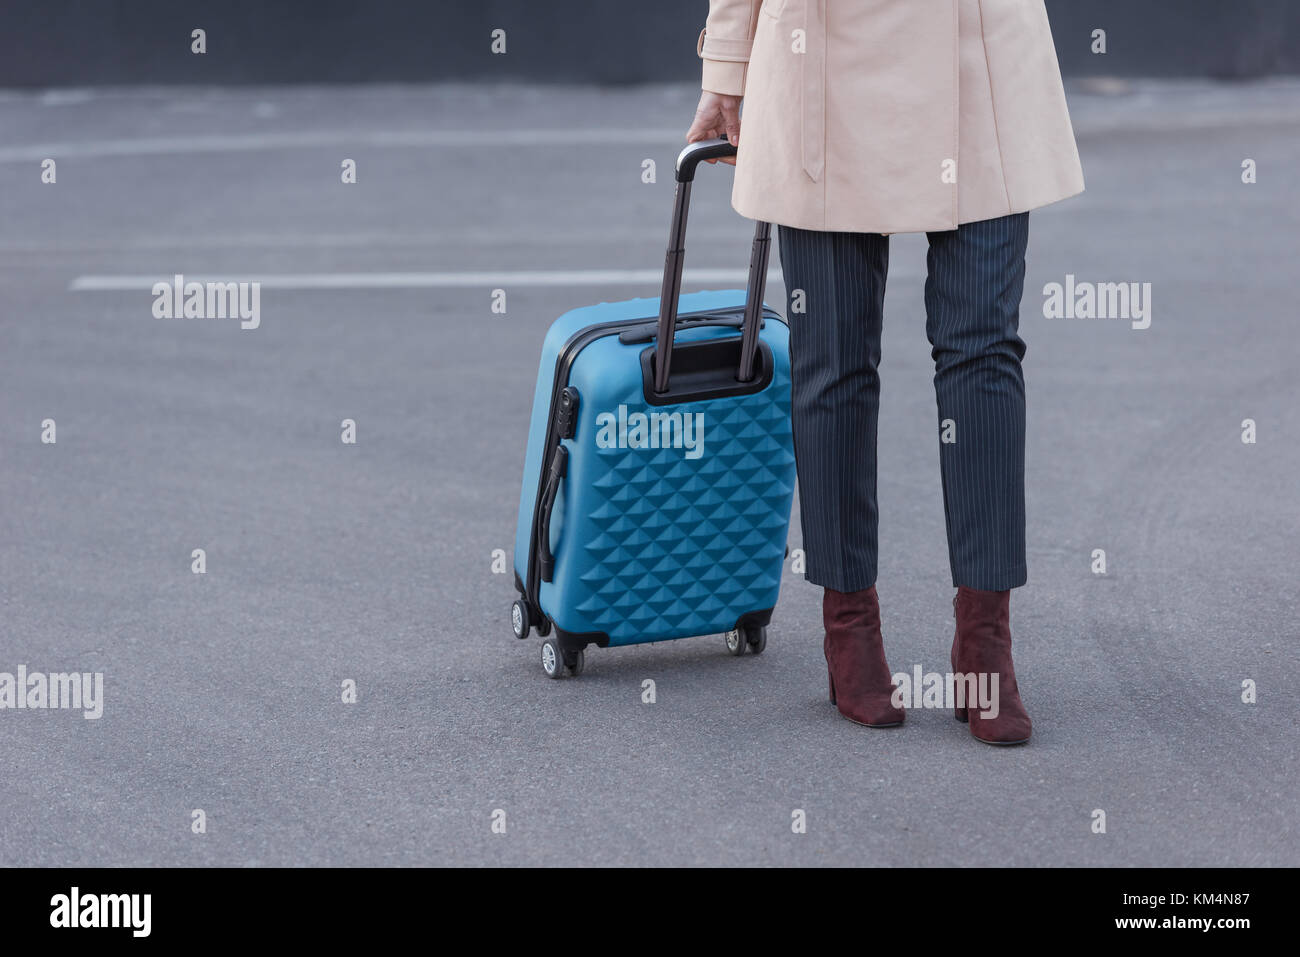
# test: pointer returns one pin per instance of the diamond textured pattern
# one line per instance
(671, 546)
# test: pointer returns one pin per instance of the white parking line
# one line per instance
(153, 146)
(423, 280)
(594, 234)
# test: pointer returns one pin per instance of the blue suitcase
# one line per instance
(660, 471)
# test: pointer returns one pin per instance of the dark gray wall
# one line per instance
(86, 42)
(1218, 38)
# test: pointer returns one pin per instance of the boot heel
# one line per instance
(830, 680)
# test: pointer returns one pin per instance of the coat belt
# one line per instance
(813, 89)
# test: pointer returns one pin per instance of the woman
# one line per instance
(869, 117)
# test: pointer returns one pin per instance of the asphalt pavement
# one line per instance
(373, 562)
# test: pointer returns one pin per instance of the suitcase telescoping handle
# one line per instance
(687, 161)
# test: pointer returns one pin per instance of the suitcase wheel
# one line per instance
(552, 663)
(519, 618)
(555, 661)
(750, 638)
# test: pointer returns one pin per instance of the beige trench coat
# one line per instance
(890, 116)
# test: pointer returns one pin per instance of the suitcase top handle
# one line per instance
(687, 161)
(696, 153)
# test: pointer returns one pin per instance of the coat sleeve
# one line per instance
(724, 44)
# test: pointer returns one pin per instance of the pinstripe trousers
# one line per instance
(976, 275)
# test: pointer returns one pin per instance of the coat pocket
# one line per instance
(772, 8)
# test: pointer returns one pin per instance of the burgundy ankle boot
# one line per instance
(982, 646)
(860, 682)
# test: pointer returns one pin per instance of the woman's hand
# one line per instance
(717, 115)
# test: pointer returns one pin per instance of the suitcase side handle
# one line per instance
(671, 288)
(559, 466)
